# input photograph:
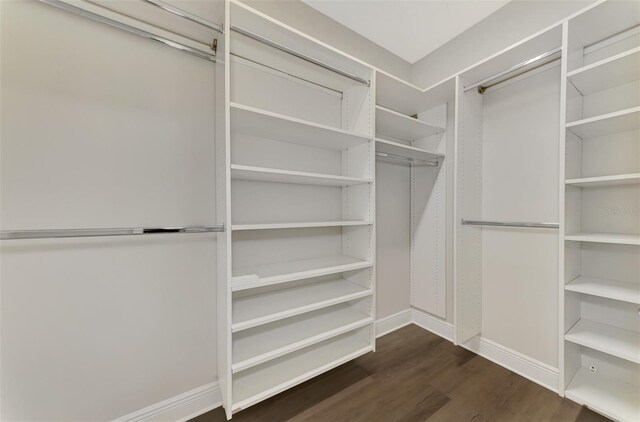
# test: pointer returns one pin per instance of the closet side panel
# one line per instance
(519, 183)
(468, 205)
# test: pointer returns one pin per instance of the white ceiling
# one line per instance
(409, 29)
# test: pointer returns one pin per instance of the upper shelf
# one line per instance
(604, 74)
(602, 287)
(619, 121)
(299, 225)
(396, 148)
(619, 239)
(399, 126)
(619, 179)
(396, 94)
(261, 174)
(265, 124)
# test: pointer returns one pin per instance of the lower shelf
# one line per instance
(620, 239)
(266, 380)
(606, 395)
(258, 345)
(602, 287)
(615, 341)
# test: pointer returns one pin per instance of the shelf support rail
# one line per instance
(510, 224)
(414, 161)
(98, 232)
(297, 54)
(548, 55)
(130, 29)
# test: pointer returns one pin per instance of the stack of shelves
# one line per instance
(602, 198)
(300, 199)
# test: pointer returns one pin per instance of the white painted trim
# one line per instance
(182, 407)
(432, 323)
(393, 322)
(534, 370)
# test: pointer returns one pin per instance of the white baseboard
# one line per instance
(182, 407)
(393, 322)
(433, 324)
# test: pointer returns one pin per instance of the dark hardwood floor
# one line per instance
(415, 376)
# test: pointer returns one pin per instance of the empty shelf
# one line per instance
(602, 287)
(299, 225)
(619, 121)
(261, 174)
(620, 179)
(255, 346)
(265, 124)
(606, 395)
(604, 74)
(615, 341)
(620, 239)
(282, 272)
(266, 380)
(399, 126)
(396, 94)
(396, 148)
(251, 311)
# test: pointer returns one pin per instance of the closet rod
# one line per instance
(304, 57)
(410, 160)
(510, 224)
(481, 87)
(148, 35)
(130, 231)
(184, 14)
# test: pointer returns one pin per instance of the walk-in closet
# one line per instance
(318, 210)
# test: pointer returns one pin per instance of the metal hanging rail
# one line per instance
(302, 56)
(130, 231)
(481, 84)
(184, 14)
(407, 159)
(132, 30)
(510, 224)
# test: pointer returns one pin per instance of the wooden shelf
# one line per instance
(255, 346)
(266, 380)
(261, 174)
(283, 272)
(258, 309)
(396, 148)
(604, 74)
(619, 121)
(602, 287)
(392, 124)
(620, 179)
(620, 239)
(265, 124)
(606, 395)
(615, 341)
(300, 225)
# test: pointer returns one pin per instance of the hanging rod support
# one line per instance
(184, 14)
(434, 163)
(304, 57)
(132, 30)
(481, 84)
(130, 231)
(510, 224)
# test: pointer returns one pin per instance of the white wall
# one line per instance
(513, 22)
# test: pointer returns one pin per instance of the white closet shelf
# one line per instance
(283, 272)
(396, 94)
(606, 395)
(619, 121)
(262, 174)
(263, 308)
(396, 148)
(620, 239)
(615, 341)
(265, 124)
(604, 74)
(619, 179)
(255, 346)
(399, 126)
(300, 225)
(273, 377)
(602, 287)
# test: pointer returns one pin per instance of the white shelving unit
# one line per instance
(600, 291)
(396, 125)
(398, 149)
(299, 297)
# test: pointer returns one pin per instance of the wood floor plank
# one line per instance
(414, 376)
